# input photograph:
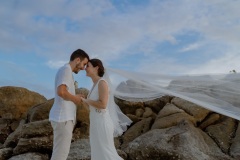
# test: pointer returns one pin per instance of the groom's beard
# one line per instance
(76, 70)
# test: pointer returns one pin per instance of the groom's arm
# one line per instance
(63, 93)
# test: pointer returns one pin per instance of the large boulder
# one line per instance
(13, 138)
(198, 112)
(15, 101)
(136, 130)
(184, 141)
(80, 150)
(157, 104)
(223, 132)
(127, 106)
(40, 112)
(235, 147)
(5, 129)
(36, 144)
(170, 116)
(30, 156)
(212, 119)
(29, 130)
(37, 129)
(82, 112)
(5, 153)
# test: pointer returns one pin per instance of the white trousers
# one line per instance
(62, 136)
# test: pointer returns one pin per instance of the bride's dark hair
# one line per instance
(97, 62)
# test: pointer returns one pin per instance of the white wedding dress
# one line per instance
(101, 131)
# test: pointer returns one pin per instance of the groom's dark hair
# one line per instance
(79, 53)
(98, 63)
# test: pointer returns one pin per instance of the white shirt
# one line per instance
(63, 110)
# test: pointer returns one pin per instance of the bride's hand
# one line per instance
(79, 96)
(84, 102)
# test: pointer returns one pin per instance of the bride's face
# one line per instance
(90, 70)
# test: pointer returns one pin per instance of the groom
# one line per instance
(63, 112)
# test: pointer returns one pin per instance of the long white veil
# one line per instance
(217, 92)
(120, 120)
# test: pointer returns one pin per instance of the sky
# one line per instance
(150, 36)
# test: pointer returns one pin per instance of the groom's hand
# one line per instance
(82, 95)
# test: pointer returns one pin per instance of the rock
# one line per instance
(122, 154)
(198, 112)
(172, 120)
(213, 118)
(154, 116)
(5, 153)
(82, 91)
(82, 112)
(134, 118)
(30, 156)
(178, 142)
(139, 112)
(5, 129)
(235, 147)
(81, 131)
(136, 130)
(36, 129)
(156, 105)
(14, 125)
(80, 150)
(168, 110)
(21, 100)
(36, 144)
(40, 112)
(148, 112)
(117, 142)
(29, 130)
(222, 133)
(166, 99)
(13, 138)
(128, 107)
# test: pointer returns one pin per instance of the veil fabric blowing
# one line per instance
(216, 92)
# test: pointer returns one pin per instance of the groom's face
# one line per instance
(80, 65)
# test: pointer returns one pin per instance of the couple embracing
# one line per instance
(106, 120)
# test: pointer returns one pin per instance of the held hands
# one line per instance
(78, 100)
(83, 101)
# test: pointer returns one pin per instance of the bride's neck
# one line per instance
(95, 79)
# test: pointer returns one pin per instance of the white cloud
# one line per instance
(224, 64)
(104, 31)
(56, 64)
(191, 47)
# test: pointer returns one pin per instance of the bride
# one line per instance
(106, 119)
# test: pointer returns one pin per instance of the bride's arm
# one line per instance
(102, 101)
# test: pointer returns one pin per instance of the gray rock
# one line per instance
(213, 118)
(5, 153)
(13, 138)
(222, 133)
(80, 150)
(235, 147)
(30, 156)
(172, 120)
(148, 112)
(179, 142)
(37, 144)
(136, 130)
(198, 112)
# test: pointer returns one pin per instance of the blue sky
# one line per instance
(163, 36)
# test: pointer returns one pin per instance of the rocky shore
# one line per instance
(166, 128)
